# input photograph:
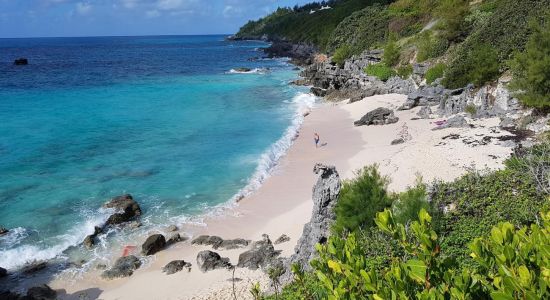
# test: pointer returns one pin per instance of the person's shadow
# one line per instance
(323, 144)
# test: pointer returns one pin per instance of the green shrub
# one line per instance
(405, 71)
(341, 54)
(430, 45)
(468, 207)
(360, 199)
(505, 31)
(478, 66)
(471, 109)
(380, 70)
(531, 67)
(409, 203)
(362, 30)
(452, 14)
(391, 54)
(435, 72)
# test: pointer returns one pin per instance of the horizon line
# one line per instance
(100, 36)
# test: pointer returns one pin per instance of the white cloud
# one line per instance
(169, 4)
(83, 8)
(152, 13)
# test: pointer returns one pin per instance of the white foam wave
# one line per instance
(18, 256)
(303, 103)
(247, 71)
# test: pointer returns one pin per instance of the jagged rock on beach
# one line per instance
(172, 228)
(424, 96)
(176, 266)
(398, 141)
(43, 292)
(453, 122)
(207, 240)
(209, 260)
(379, 116)
(153, 244)
(424, 112)
(123, 267)
(282, 239)
(127, 209)
(325, 195)
(175, 238)
(319, 92)
(232, 244)
(261, 254)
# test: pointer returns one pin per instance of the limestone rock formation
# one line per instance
(282, 239)
(325, 195)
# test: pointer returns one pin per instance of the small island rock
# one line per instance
(126, 208)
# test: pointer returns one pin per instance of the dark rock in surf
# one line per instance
(123, 267)
(208, 260)
(175, 238)
(34, 267)
(153, 244)
(127, 209)
(176, 266)
(3, 272)
(379, 116)
(242, 70)
(21, 62)
(8, 295)
(43, 292)
(3, 230)
(89, 241)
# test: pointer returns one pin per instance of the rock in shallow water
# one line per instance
(123, 267)
(209, 260)
(3, 272)
(3, 230)
(153, 244)
(126, 208)
(176, 266)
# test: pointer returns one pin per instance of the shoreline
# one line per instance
(282, 205)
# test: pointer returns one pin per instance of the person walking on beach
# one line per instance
(316, 139)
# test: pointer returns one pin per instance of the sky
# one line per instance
(57, 18)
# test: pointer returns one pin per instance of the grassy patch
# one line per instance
(380, 70)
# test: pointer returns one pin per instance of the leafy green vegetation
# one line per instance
(391, 54)
(341, 54)
(410, 202)
(360, 199)
(404, 71)
(531, 68)
(299, 25)
(381, 71)
(430, 45)
(435, 72)
(362, 30)
(503, 30)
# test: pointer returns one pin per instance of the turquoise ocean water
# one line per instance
(165, 119)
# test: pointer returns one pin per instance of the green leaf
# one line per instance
(501, 296)
(524, 276)
(417, 270)
(496, 235)
(334, 266)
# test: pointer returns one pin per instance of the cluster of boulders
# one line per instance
(300, 54)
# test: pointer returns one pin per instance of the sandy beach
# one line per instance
(283, 204)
